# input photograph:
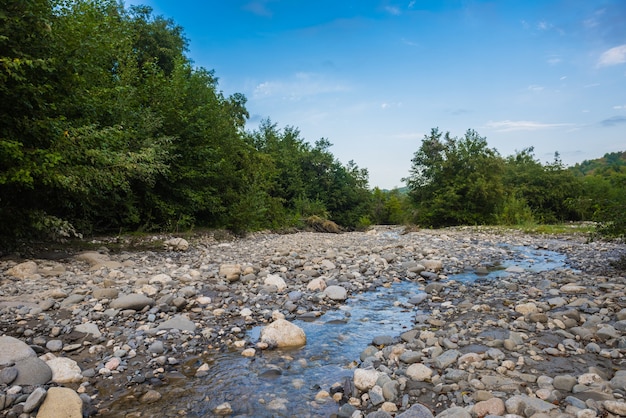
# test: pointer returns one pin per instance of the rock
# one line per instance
(365, 379)
(416, 411)
(376, 395)
(275, 280)
(89, 328)
(493, 406)
(615, 407)
(282, 333)
(573, 288)
(32, 371)
(446, 358)
(8, 375)
(231, 272)
(34, 400)
(23, 270)
(526, 308)
(105, 293)
(455, 412)
(564, 382)
(433, 265)
(317, 284)
(526, 406)
(419, 372)
(179, 322)
(223, 409)
(176, 244)
(13, 350)
(150, 396)
(64, 370)
(135, 301)
(61, 402)
(337, 293)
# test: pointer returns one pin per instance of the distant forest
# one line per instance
(107, 127)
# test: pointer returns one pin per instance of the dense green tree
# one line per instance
(456, 181)
(538, 192)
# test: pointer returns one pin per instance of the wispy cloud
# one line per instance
(409, 42)
(408, 136)
(543, 25)
(614, 120)
(522, 125)
(259, 8)
(393, 10)
(554, 60)
(388, 105)
(297, 87)
(535, 88)
(613, 56)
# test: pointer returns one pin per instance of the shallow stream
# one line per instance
(284, 383)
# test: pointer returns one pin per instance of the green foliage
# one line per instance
(106, 125)
(456, 181)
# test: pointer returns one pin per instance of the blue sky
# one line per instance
(374, 76)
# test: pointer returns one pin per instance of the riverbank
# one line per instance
(131, 333)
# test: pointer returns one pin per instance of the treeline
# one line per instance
(105, 125)
(461, 181)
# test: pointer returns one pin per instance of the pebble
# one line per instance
(529, 344)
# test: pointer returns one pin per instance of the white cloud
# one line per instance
(613, 56)
(618, 107)
(393, 10)
(554, 60)
(411, 4)
(297, 87)
(522, 125)
(563, 77)
(535, 88)
(543, 25)
(388, 105)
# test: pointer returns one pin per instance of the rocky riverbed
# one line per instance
(132, 333)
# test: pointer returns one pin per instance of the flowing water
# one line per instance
(284, 383)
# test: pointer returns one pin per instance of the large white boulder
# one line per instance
(283, 334)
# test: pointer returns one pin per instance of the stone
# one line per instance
(23, 270)
(8, 375)
(573, 288)
(89, 328)
(432, 265)
(135, 301)
(564, 382)
(34, 399)
(419, 372)
(176, 244)
(275, 280)
(316, 285)
(492, 406)
(223, 409)
(526, 406)
(32, 371)
(61, 402)
(526, 308)
(64, 370)
(179, 322)
(337, 293)
(282, 334)
(105, 293)
(615, 407)
(376, 395)
(12, 350)
(416, 411)
(365, 379)
(150, 396)
(455, 412)
(231, 272)
(446, 358)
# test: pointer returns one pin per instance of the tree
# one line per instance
(455, 181)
